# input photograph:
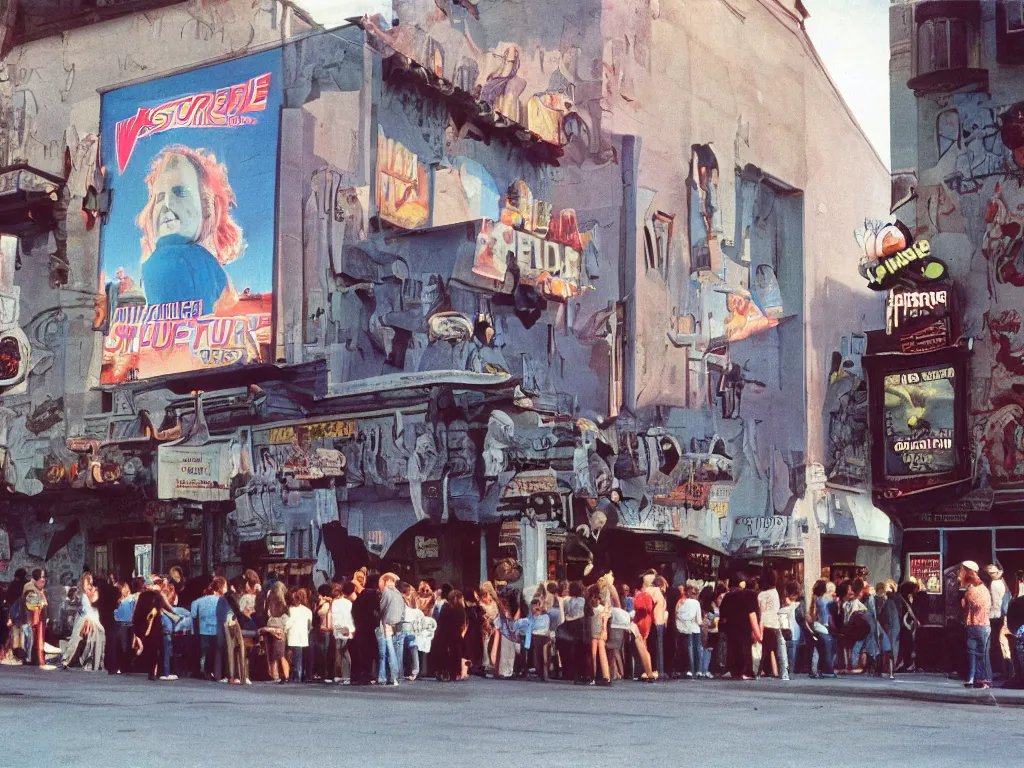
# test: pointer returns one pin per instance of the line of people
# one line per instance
(379, 629)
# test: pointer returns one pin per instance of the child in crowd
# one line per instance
(708, 630)
(297, 627)
(540, 635)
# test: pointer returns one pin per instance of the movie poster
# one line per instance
(187, 255)
(919, 418)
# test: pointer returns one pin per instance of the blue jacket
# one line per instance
(205, 610)
(180, 270)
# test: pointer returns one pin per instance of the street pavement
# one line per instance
(77, 719)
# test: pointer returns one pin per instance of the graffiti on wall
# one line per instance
(845, 413)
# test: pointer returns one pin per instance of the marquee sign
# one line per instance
(919, 320)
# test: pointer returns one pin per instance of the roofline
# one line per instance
(773, 6)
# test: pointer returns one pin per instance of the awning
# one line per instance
(853, 514)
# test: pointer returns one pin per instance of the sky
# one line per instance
(852, 37)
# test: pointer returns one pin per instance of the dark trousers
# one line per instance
(769, 648)
(738, 651)
(656, 647)
(567, 654)
(538, 646)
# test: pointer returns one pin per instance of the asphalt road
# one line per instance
(74, 718)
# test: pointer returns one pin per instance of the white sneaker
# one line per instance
(47, 667)
(165, 677)
(248, 681)
(785, 677)
(172, 677)
(224, 680)
(689, 675)
(329, 680)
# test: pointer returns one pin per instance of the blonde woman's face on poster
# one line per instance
(179, 207)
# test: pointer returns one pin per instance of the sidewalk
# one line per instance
(913, 687)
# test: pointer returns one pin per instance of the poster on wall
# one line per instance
(194, 472)
(927, 569)
(919, 417)
(188, 250)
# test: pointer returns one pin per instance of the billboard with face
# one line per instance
(186, 259)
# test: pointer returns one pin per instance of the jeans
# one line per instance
(826, 647)
(978, 665)
(341, 668)
(658, 651)
(387, 670)
(782, 654)
(208, 656)
(693, 652)
(325, 652)
(168, 652)
(790, 656)
(296, 655)
(705, 661)
(411, 651)
(123, 661)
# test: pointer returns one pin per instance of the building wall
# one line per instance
(685, 133)
(968, 205)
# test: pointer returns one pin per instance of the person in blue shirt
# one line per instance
(122, 660)
(205, 613)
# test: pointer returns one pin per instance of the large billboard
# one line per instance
(187, 254)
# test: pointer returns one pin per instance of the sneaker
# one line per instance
(47, 667)
(248, 681)
(785, 677)
(346, 682)
(223, 680)
(969, 684)
(172, 677)
(165, 677)
(393, 683)
(689, 675)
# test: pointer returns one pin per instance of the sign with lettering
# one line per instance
(528, 483)
(914, 265)
(322, 430)
(427, 547)
(194, 472)
(719, 497)
(919, 319)
(919, 420)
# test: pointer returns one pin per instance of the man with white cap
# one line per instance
(977, 603)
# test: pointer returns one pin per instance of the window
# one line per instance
(1010, 31)
(942, 44)
(946, 46)
(100, 559)
(658, 241)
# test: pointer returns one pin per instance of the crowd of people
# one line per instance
(378, 629)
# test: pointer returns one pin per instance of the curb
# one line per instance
(989, 698)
